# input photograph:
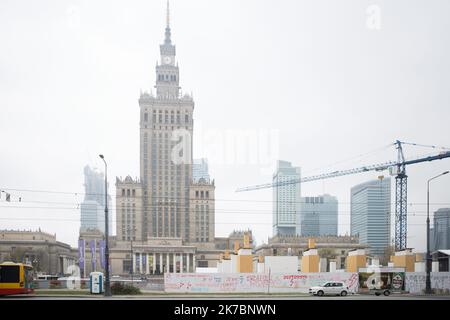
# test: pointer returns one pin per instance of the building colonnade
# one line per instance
(163, 262)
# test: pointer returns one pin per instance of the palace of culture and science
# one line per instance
(165, 218)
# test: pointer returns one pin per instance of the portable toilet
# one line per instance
(96, 282)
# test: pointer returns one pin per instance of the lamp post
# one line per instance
(107, 280)
(428, 266)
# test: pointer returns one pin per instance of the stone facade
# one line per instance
(236, 235)
(37, 248)
(334, 248)
(166, 130)
(152, 257)
(129, 211)
(201, 213)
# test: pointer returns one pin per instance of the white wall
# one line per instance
(253, 282)
(281, 264)
(415, 281)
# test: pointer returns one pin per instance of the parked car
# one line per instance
(330, 288)
(378, 292)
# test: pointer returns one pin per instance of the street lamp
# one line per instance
(107, 281)
(428, 266)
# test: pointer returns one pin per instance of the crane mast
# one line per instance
(401, 197)
(401, 185)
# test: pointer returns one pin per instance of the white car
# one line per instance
(330, 288)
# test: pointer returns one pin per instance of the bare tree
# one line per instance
(327, 253)
(386, 257)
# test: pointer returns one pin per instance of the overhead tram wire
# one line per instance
(270, 201)
(183, 198)
(219, 223)
(237, 211)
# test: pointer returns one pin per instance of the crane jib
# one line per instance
(375, 167)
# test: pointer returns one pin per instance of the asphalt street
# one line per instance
(228, 297)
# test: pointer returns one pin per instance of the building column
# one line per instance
(181, 262)
(133, 263)
(193, 262)
(174, 256)
(154, 263)
(187, 262)
(147, 267)
(168, 262)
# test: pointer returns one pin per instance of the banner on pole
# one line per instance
(93, 255)
(102, 244)
(81, 252)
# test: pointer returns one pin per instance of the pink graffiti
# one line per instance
(353, 279)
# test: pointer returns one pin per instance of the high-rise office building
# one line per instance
(319, 216)
(370, 215)
(286, 200)
(173, 198)
(440, 233)
(92, 209)
(166, 127)
(200, 169)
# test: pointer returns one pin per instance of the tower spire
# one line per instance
(168, 16)
(167, 39)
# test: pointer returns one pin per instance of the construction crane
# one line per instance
(397, 168)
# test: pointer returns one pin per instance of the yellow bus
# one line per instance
(15, 278)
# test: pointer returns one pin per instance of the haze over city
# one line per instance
(331, 90)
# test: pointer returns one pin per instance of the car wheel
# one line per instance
(386, 293)
(343, 293)
(377, 293)
(320, 293)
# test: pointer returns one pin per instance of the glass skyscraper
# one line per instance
(319, 216)
(92, 209)
(440, 233)
(370, 215)
(286, 200)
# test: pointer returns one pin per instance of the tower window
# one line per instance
(145, 117)
(186, 118)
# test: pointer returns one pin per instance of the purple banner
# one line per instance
(81, 251)
(144, 263)
(93, 255)
(137, 264)
(102, 254)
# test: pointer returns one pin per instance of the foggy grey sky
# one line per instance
(71, 73)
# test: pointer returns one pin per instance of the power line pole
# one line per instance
(107, 280)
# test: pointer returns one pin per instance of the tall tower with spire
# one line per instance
(167, 72)
(165, 181)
